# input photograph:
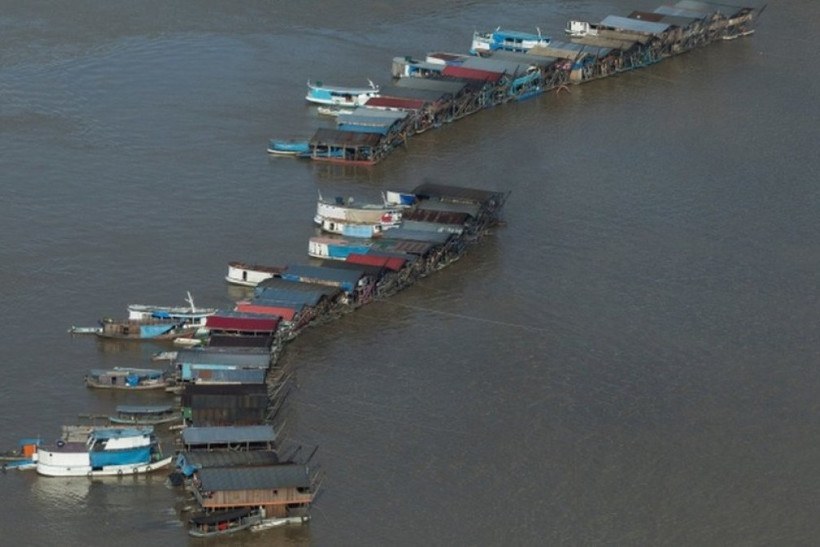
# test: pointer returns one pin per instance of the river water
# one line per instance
(633, 359)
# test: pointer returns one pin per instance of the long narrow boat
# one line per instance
(506, 40)
(126, 378)
(221, 523)
(145, 415)
(186, 315)
(340, 96)
(286, 147)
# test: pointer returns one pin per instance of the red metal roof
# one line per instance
(242, 324)
(394, 263)
(278, 311)
(471, 73)
(395, 102)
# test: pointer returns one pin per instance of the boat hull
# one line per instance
(106, 471)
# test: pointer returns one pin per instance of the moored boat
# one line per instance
(145, 415)
(152, 329)
(250, 275)
(105, 452)
(22, 459)
(333, 110)
(220, 523)
(340, 96)
(288, 147)
(506, 40)
(127, 378)
(350, 211)
(184, 315)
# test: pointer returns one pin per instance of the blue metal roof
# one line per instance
(343, 278)
(416, 235)
(257, 357)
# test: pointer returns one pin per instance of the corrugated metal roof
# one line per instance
(471, 74)
(672, 20)
(431, 215)
(496, 64)
(561, 50)
(394, 263)
(365, 114)
(194, 390)
(228, 458)
(419, 248)
(368, 269)
(471, 209)
(452, 87)
(395, 102)
(237, 321)
(417, 235)
(228, 434)
(604, 42)
(235, 340)
(349, 139)
(288, 297)
(221, 479)
(525, 58)
(455, 193)
(634, 25)
(336, 275)
(221, 356)
(422, 94)
(228, 376)
(289, 286)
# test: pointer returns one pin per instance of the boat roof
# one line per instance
(228, 434)
(218, 479)
(124, 371)
(516, 34)
(144, 409)
(120, 433)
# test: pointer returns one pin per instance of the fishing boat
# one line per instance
(279, 147)
(105, 452)
(351, 229)
(152, 329)
(485, 43)
(184, 315)
(145, 415)
(220, 523)
(125, 378)
(340, 96)
(250, 275)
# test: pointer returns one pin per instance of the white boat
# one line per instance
(351, 211)
(506, 40)
(340, 96)
(350, 229)
(250, 275)
(288, 147)
(268, 523)
(105, 452)
(184, 315)
(580, 28)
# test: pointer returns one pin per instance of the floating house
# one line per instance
(250, 437)
(204, 405)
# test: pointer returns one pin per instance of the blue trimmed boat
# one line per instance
(485, 43)
(319, 93)
(105, 452)
(288, 147)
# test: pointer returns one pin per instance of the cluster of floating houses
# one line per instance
(222, 371)
(427, 92)
(225, 384)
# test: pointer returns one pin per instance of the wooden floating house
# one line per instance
(204, 405)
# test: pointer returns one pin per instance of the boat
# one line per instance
(250, 275)
(164, 356)
(275, 522)
(579, 29)
(22, 459)
(105, 452)
(485, 43)
(319, 93)
(126, 378)
(352, 229)
(145, 415)
(85, 330)
(188, 341)
(288, 147)
(351, 211)
(220, 523)
(186, 315)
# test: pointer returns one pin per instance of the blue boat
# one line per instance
(340, 96)
(506, 40)
(288, 147)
